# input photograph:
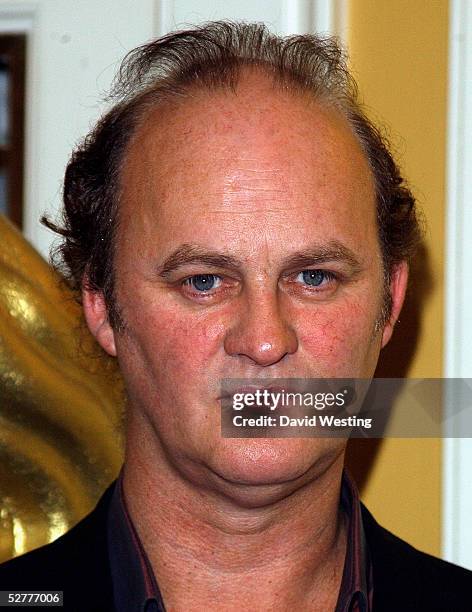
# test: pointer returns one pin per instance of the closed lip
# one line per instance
(252, 389)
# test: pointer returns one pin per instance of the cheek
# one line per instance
(339, 336)
(180, 344)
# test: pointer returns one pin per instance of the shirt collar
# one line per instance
(134, 585)
(356, 589)
(135, 588)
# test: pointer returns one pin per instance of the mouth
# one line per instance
(253, 400)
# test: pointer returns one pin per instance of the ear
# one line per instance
(398, 285)
(96, 315)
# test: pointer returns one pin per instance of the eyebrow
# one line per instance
(323, 253)
(187, 254)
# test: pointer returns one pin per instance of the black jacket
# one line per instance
(77, 564)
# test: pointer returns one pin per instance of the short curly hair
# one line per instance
(208, 57)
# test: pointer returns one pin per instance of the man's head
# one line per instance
(235, 216)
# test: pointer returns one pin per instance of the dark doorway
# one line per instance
(12, 105)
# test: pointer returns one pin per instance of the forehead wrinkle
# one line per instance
(244, 212)
(245, 199)
(240, 184)
(237, 173)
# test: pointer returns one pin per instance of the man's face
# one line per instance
(247, 248)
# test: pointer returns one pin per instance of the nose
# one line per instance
(261, 332)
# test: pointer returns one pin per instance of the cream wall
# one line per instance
(399, 55)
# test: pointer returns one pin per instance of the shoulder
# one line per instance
(76, 563)
(408, 579)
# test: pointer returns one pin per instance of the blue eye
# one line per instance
(315, 277)
(203, 282)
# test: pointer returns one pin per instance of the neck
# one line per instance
(288, 552)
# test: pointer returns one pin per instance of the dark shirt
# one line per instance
(135, 588)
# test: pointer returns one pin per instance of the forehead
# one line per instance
(257, 151)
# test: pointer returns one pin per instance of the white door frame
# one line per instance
(457, 451)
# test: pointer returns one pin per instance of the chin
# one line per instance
(272, 462)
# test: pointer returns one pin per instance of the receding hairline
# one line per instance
(168, 99)
(157, 105)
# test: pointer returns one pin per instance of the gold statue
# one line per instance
(60, 404)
